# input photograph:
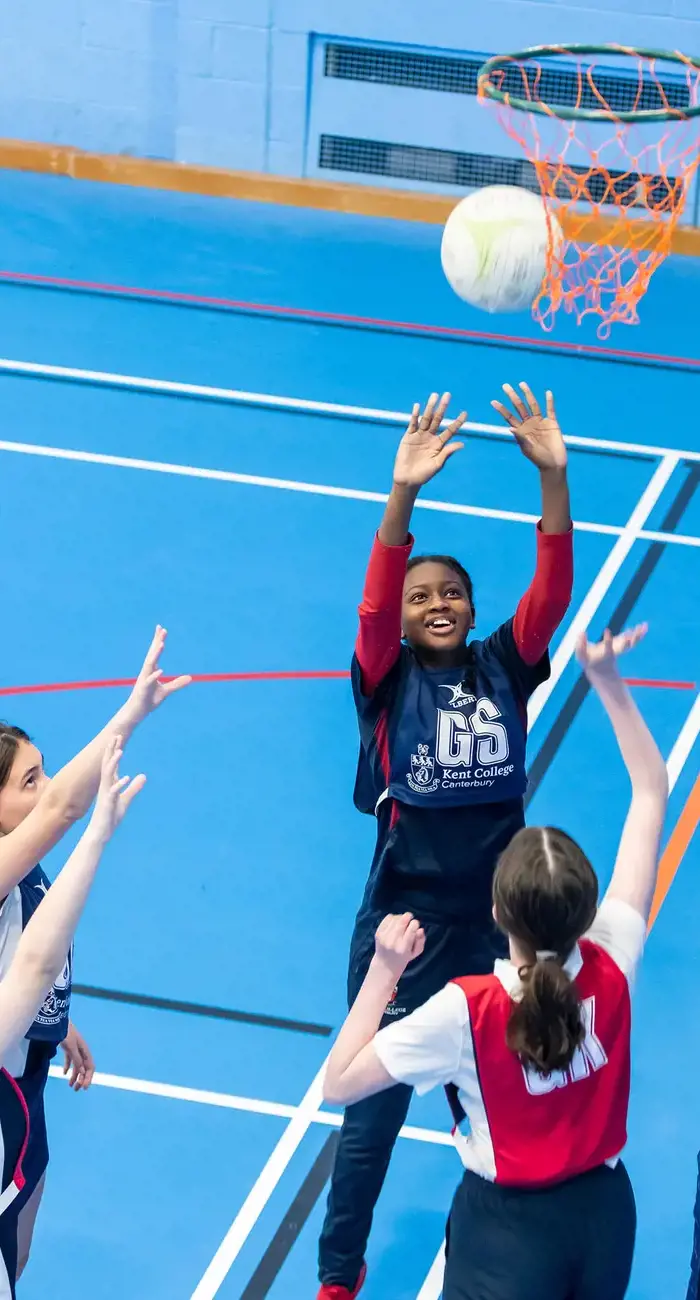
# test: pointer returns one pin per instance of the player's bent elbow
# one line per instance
(334, 1094)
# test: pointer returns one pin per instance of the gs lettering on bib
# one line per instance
(448, 737)
(51, 1023)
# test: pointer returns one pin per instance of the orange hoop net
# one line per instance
(613, 149)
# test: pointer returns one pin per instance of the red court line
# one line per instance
(343, 318)
(669, 686)
(42, 688)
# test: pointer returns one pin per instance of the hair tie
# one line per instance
(544, 954)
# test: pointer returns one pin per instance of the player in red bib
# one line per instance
(537, 1054)
(443, 729)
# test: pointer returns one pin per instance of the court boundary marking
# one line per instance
(345, 320)
(341, 493)
(232, 1101)
(300, 675)
(303, 405)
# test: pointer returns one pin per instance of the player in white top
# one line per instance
(38, 960)
(536, 1056)
(35, 812)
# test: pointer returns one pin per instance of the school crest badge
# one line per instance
(421, 777)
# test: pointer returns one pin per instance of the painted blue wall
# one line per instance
(238, 83)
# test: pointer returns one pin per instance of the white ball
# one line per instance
(494, 247)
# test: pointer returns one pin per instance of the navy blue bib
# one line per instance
(457, 742)
(447, 738)
(51, 1024)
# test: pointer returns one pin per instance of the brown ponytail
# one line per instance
(545, 1027)
(545, 897)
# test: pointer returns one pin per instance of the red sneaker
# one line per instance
(334, 1291)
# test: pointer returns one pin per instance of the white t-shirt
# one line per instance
(433, 1046)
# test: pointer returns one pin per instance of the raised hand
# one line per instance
(115, 793)
(425, 448)
(538, 436)
(398, 940)
(150, 691)
(601, 657)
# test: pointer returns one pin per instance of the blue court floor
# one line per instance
(241, 519)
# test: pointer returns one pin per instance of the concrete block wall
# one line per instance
(229, 82)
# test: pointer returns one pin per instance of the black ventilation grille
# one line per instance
(395, 68)
(557, 84)
(471, 170)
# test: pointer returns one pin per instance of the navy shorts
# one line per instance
(573, 1241)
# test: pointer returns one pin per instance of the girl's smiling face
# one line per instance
(437, 613)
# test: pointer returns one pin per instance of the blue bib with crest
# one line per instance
(457, 741)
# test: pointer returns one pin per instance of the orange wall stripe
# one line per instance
(676, 849)
(362, 200)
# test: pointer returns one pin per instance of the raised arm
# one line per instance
(636, 866)
(546, 601)
(41, 951)
(422, 452)
(73, 789)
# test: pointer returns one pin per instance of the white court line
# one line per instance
(228, 1101)
(319, 489)
(684, 744)
(261, 1191)
(432, 1286)
(645, 535)
(603, 582)
(272, 401)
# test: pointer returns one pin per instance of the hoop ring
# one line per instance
(499, 62)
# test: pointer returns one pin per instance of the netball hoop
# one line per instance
(613, 149)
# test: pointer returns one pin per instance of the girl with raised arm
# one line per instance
(35, 812)
(443, 726)
(38, 960)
